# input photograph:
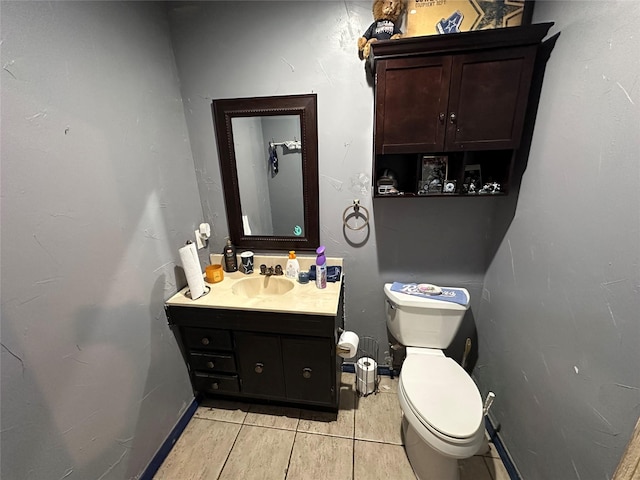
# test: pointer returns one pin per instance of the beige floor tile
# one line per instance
(326, 423)
(379, 418)
(200, 452)
(496, 468)
(348, 379)
(273, 416)
(318, 457)
(259, 453)
(223, 410)
(473, 468)
(388, 385)
(380, 461)
(493, 452)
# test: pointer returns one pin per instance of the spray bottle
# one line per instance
(321, 268)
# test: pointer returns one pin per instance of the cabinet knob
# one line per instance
(210, 365)
(215, 386)
(441, 117)
(306, 372)
(204, 341)
(259, 367)
(453, 117)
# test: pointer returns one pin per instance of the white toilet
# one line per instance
(441, 405)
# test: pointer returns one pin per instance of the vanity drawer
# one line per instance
(219, 362)
(207, 339)
(207, 382)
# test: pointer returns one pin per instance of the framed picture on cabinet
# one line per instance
(434, 171)
(472, 179)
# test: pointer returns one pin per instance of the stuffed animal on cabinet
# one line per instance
(386, 25)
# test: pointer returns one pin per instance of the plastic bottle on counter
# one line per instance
(293, 266)
(321, 268)
(230, 258)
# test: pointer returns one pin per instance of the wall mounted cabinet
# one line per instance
(452, 95)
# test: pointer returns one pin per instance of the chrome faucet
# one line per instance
(268, 271)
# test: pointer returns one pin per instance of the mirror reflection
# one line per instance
(269, 162)
(268, 153)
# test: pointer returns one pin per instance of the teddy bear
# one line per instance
(386, 15)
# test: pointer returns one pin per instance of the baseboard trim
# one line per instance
(170, 441)
(502, 451)
(382, 370)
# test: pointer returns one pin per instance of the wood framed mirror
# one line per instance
(268, 154)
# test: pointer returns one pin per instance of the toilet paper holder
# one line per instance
(367, 376)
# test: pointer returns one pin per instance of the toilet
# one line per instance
(441, 405)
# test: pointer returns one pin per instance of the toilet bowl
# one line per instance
(442, 414)
(441, 405)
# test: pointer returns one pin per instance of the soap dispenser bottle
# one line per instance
(230, 258)
(293, 267)
(321, 268)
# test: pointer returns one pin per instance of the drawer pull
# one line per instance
(259, 367)
(306, 372)
(204, 341)
(215, 386)
(453, 118)
(210, 365)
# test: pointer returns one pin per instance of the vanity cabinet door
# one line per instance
(308, 366)
(260, 361)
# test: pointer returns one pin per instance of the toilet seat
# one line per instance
(442, 397)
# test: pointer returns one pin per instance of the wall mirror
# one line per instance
(268, 152)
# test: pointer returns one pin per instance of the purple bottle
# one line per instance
(321, 268)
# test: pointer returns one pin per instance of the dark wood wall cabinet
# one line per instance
(452, 103)
(263, 356)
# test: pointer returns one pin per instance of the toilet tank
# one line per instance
(417, 321)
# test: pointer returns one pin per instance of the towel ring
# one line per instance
(356, 211)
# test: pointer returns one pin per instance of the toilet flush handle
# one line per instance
(391, 305)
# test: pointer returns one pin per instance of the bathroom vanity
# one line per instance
(263, 338)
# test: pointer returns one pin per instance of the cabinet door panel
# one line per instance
(307, 368)
(488, 99)
(411, 104)
(260, 362)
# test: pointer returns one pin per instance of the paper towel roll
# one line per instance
(366, 369)
(192, 269)
(348, 344)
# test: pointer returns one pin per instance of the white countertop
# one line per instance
(302, 298)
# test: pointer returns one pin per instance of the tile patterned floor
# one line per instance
(232, 440)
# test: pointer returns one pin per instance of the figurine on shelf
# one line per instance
(493, 187)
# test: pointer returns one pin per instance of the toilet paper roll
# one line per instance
(366, 369)
(348, 344)
(192, 269)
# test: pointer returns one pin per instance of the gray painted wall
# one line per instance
(285, 189)
(98, 193)
(559, 323)
(281, 48)
(92, 380)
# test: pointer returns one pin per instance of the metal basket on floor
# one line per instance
(367, 378)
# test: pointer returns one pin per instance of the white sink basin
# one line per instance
(262, 286)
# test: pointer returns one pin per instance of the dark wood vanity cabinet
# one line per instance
(295, 368)
(264, 356)
(448, 94)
